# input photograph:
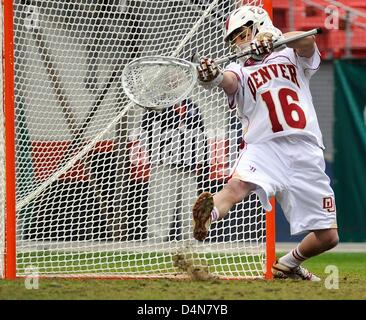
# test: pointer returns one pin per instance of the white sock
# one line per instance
(293, 259)
(214, 214)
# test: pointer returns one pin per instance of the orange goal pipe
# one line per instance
(270, 216)
(267, 5)
(9, 115)
(270, 240)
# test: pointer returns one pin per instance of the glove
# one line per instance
(262, 44)
(209, 74)
(264, 40)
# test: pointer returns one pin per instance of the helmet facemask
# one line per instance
(241, 38)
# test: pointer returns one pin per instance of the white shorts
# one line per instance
(292, 169)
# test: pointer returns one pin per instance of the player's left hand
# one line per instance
(210, 74)
(262, 43)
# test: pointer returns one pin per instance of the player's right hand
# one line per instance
(264, 41)
(262, 44)
(209, 74)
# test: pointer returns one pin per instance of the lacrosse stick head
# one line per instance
(158, 82)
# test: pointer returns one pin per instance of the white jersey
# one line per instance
(273, 97)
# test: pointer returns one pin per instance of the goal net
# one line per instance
(105, 188)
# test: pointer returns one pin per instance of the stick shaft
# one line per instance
(275, 45)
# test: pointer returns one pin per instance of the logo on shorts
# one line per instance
(329, 204)
(251, 168)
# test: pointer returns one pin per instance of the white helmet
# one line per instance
(253, 16)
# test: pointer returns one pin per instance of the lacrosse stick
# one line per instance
(157, 82)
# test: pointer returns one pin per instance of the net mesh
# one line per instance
(106, 188)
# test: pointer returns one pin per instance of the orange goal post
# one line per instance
(94, 186)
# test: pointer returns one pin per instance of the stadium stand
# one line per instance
(346, 39)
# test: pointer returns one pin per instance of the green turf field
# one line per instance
(352, 285)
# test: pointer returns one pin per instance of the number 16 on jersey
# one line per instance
(285, 101)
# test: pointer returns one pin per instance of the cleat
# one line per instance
(280, 271)
(202, 215)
